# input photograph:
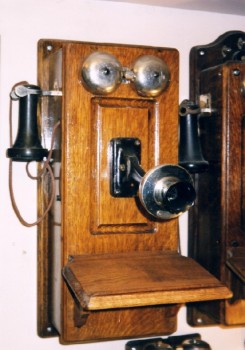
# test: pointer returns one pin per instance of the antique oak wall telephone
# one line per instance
(216, 227)
(108, 260)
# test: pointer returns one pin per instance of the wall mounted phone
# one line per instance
(108, 259)
(216, 228)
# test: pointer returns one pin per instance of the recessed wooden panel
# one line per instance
(120, 118)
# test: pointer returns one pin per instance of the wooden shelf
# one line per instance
(136, 279)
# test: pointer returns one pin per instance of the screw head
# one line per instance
(234, 244)
(236, 72)
(122, 167)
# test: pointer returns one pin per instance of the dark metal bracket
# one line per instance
(227, 47)
(165, 191)
(126, 173)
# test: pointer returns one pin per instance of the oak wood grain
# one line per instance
(90, 220)
(86, 221)
(139, 279)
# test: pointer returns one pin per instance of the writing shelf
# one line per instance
(136, 279)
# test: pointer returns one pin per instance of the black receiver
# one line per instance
(27, 146)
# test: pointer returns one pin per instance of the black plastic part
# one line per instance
(190, 152)
(227, 47)
(179, 196)
(126, 172)
(27, 146)
(187, 342)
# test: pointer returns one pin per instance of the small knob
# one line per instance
(167, 191)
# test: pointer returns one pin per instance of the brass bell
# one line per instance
(101, 73)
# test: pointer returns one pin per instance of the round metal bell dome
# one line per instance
(151, 75)
(101, 73)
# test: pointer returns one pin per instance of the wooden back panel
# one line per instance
(89, 235)
(88, 219)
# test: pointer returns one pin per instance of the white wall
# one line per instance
(22, 24)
